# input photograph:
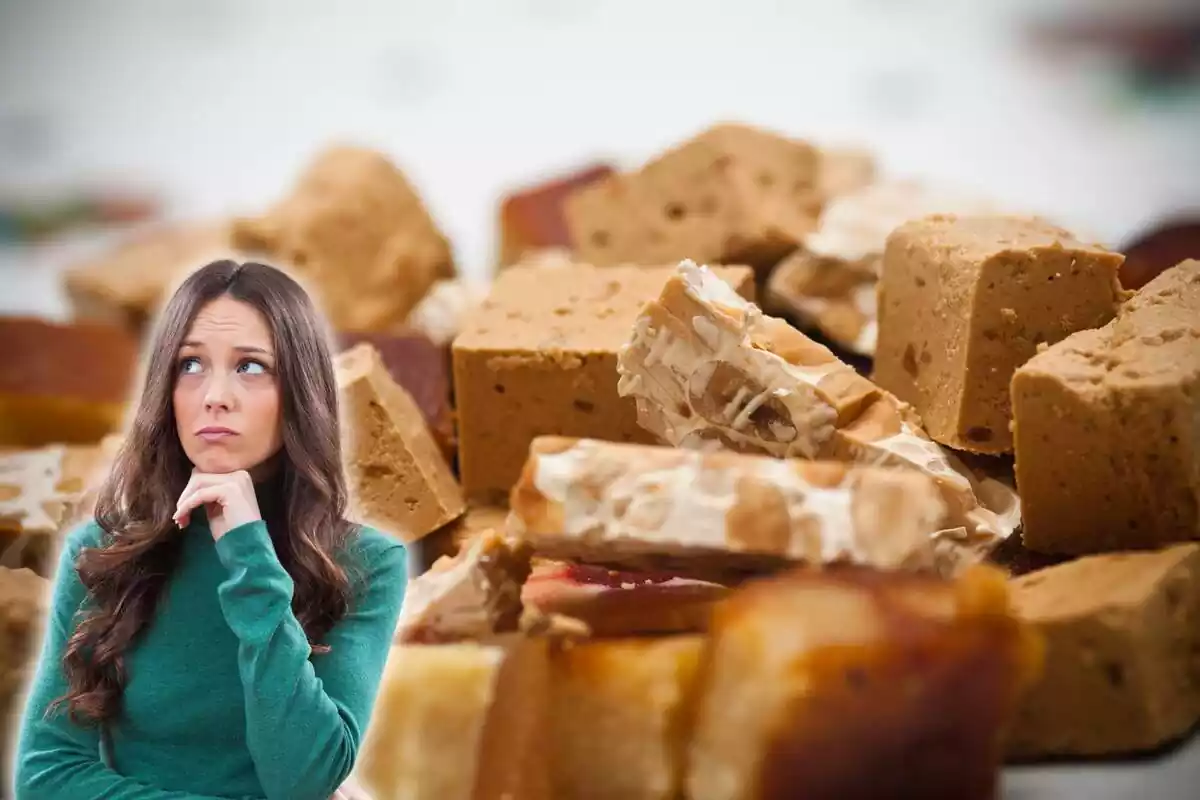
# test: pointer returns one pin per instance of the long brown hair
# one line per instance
(141, 546)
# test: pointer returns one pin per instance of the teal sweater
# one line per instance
(222, 697)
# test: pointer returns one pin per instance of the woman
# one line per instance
(219, 629)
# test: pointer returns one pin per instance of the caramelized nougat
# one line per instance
(533, 218)
(1107, 427)
(399, 478)
(1122, 633)
(355, 230)
(853, 683)
(461, 721)
(731, 195)
(968, 300)
(618, 717)
(709, 370)
(41, 492)
(63, 383)
(648, 507)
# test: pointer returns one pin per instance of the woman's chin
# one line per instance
(218, 465)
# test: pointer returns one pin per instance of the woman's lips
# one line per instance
(215, 435)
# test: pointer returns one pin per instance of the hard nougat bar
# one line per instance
(645, 506)
(618, 717)
(731, 195)
(355, 230)
(471, 596)
(1107, 427)
(400, 479)
(461, 721)
(830, 281)
(126, 285)
(1122, 670)
(533, 218)
(24, 599)
(709, 370)
(540, 357)
(967, 300)
(62, 383)
(856, 683)
(40, 491)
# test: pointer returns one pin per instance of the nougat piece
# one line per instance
(532, 218)
(421, 367)
(731, 195)
(709, 370)
(842, 169)
(454, 537)
(1122, 634)
(967, 300)
(855, 683)
(40, 491)
(355, 230)
(443, 312)
(618, 712)
(1107, 427)
(540, 357)
(473, 595)
(829, 282)
(63, 383)
(650, 507)
(461, 721)
(399, 479)
(24, 599)
(126, 285)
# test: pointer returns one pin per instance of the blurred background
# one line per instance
(114, 113)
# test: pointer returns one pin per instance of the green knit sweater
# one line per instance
(222, 697)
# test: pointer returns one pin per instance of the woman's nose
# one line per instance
(218, 392)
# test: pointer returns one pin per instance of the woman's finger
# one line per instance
(198, 480)
(200, 496)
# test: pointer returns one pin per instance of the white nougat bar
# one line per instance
(709, 370)
(646, 506)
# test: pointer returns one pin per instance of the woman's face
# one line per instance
(226, 398)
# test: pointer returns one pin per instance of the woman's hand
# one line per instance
(228, 499)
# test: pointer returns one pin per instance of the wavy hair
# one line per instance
(141, 546)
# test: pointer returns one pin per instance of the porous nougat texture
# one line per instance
(1107, 427)
(731, 195)
(24, 599)
(461, 721)
(967, 300)
(40, 492)
(1122, 671)
(856, 683)
(540, 358)
(533, 218)
(709, 370)
(829, 282)
(649, 507)
(355, 230)
(63, 383)
(126, 285)
(399, 479)
(443, 312)
(618, 714)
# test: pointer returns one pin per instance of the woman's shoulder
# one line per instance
(86, 533)
(377, 550)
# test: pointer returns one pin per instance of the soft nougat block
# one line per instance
(731, 195)
(355, 229)
(540, 357)
(400, 479)
(856, 684)
(1107, 427)
(1122, 672)
(532, 218)
(967, 300)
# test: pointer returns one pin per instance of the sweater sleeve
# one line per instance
(57, 759)
(305, 716)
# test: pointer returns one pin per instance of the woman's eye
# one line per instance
(186, 364)
(253, 368)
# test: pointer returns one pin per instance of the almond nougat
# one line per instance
(709, 370)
